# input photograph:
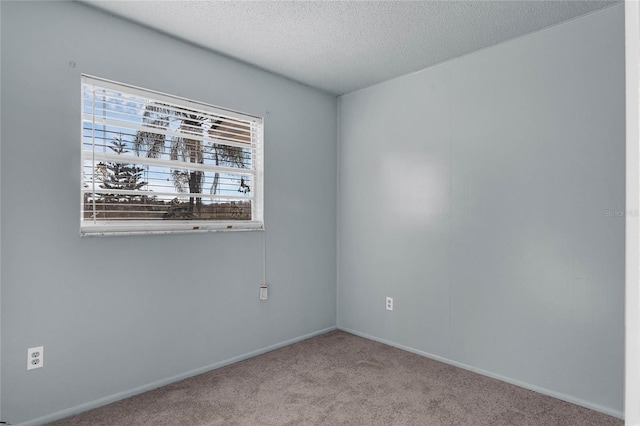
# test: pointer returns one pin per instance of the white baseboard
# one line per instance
(557, 395)
(145, 388)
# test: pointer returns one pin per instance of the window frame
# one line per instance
(96, 227)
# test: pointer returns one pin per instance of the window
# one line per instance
(155, 163)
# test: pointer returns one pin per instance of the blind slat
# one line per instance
(165, 194)
(145, 94)
(142, 128)
(160, 119)
(97, 156)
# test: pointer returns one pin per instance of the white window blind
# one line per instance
(154, 163)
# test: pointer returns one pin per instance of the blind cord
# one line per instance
(264, 257)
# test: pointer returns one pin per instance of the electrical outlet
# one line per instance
(35, 357)
(389, 303)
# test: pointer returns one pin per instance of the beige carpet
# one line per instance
(341, 379)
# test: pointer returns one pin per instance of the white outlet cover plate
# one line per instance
(34, 354)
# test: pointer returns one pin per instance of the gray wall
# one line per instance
(117, 314)
(475, 192)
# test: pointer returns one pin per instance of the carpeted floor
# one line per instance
(341, 379)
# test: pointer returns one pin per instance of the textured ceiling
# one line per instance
(343, 46)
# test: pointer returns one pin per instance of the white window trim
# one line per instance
(94, 227)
